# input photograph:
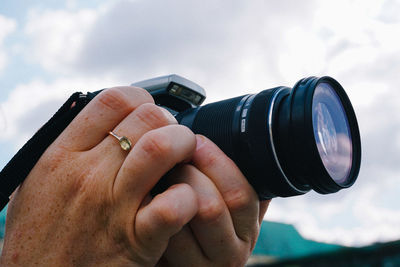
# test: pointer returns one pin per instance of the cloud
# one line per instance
(142, 35)
(30, 105)
(359, 216)
(227, 46)
(56, 36)
(134, 40)
(7, 26)
(389, 12)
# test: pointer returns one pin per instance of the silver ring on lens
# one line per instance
(271, 139)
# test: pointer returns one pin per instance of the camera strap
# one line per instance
(18, 168)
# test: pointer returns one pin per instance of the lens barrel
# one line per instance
(286, 141)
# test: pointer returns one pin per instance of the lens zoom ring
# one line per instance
(215, 121)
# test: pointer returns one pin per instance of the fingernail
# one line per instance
(201, 141)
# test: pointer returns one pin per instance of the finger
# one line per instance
(239, 196)
(155, 153)
(165, 216)
(101, 115)
(144, 118)
(212, 225)
(182, 249)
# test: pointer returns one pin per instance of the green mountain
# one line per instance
(279, 240)
(378, 254)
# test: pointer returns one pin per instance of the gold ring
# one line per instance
(124, 142)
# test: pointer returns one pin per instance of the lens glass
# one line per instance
(332, 133)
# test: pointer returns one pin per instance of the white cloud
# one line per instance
(360, 217)
(30, 105)
(139, 39)
(7, 26)
(57, 36)
(304, 53)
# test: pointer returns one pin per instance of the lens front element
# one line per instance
(332, 133)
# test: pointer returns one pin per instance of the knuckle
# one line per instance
(169, 217)
(118, 98)
(115, 99)
(185, 132)
(211, 160)
(140, 92)
(239, 198)
(156, 144)
(210, 210)
(152, 116)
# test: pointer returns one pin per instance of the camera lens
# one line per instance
(332, 133)
(286, 141)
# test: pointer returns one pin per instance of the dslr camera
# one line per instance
(286, 141)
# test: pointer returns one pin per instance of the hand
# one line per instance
(225, 229)
(87, 201)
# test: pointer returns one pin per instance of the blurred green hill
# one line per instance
(279, 240)
(281, 245)
(379, 254)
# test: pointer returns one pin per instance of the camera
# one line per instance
(286, 141)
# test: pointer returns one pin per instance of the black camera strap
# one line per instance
(18, 168)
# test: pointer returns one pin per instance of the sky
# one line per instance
(51, 49)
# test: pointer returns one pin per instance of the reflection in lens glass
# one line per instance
(332, 133)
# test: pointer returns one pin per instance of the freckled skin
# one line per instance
(87, 202)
